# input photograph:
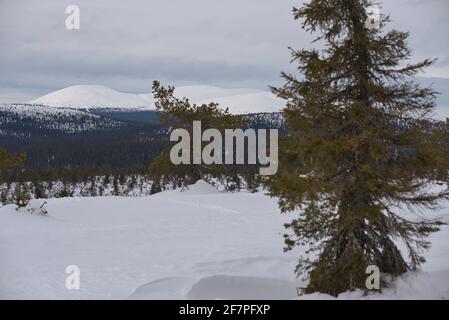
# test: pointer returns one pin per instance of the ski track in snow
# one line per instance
(197, 244)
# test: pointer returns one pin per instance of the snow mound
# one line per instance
(217, 287)
(242, 288)
(163, 289)
(411, 286)
(201, 187)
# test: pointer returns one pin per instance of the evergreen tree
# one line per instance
(115, 186)
(155, 187)
(361, 144)
(8, 160)
(4, 197)
(177, 113)
(39, 192)
(93, 186)
(21, 195)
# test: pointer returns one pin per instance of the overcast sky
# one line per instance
(127, 44)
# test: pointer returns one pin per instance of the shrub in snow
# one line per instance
(34, 207)
(21, 196)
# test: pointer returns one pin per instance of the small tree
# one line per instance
(8, 160)
(177, 113)
(4, 197)
(155, 187)
(21, 195)
(362, 145)
(115, 186)
(39, 190)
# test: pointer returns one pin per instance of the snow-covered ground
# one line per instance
(198, 244)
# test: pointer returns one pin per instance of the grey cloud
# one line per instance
(126, 44)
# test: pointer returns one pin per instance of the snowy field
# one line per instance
(196, 244)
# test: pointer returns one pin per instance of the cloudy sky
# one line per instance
(127, 44)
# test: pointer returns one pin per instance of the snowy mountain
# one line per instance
(86, 96)
(251, 102)
(28, 119)
(238, 101)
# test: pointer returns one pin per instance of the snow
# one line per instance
(201, 187)
(198, 243)
(85, 96)
(250, 103)
(53, 118)
(239, 100)
(200, 93)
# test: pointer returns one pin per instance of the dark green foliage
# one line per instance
(21, 195)
(115, 185)
(39, 190)
(155, 187)
(361, 143)
(7, 161)
(64, 193)
(177, 113)
(3, 197)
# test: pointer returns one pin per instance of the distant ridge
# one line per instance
(241, 100)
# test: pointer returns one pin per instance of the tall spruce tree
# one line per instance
(362, 147)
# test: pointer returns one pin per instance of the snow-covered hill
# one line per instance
(239, 101)
(253, 102)
(85, 96)
(197, 244)
(26, 119)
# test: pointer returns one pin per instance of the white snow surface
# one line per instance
(199, 243)
(85, 96)
(240, 100)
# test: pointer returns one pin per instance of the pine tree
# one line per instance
(175, 113)
(361, 145)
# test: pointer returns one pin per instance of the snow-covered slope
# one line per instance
(85, 96)
(254, 102)
(198, 244)
(27, 118)
(241, 100)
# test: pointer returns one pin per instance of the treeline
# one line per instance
(92, 186)
(118, 148)
(19, 186)
(79, 153)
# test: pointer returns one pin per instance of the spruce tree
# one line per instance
(362, 150)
